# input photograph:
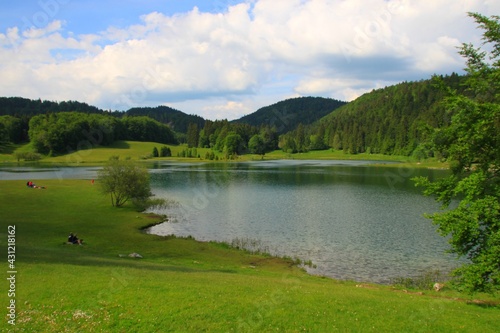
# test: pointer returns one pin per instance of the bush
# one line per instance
(28, 156)
(165, 152)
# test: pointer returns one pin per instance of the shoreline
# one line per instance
(189, 285)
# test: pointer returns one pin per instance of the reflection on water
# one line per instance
(353, 220)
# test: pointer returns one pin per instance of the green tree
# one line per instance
(300, 138)
(124, 180)
(257, 145)
(4, 136)
(165, 151)
(155, 152)
(472, 143)
(232, 144)
(192, 135)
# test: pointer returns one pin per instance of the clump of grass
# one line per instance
(253, 246)
(309, 263)
(423, 281)
(154, 204)
(300, 262)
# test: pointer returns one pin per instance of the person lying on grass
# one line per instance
(33, 185)
(73, 239)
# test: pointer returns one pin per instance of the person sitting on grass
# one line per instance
(73, 239)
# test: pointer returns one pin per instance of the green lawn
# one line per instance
(141, 151)
(186, 286)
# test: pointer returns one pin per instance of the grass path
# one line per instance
(182, 285)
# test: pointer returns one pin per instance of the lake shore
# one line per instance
(141, 151)
(188, 285)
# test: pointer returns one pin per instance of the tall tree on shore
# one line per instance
(472, 143)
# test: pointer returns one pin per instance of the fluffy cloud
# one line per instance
(330, 48)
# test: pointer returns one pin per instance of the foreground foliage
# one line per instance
(472, 143)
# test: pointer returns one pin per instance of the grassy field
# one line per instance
(142, 150)
(186, 286)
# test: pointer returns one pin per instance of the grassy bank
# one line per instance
(184, 285)
(142, 151)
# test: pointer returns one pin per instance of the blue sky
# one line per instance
(226, 58)
(83, 17)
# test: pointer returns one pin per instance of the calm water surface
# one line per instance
(353, 220)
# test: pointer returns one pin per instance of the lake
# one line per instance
(354, 220)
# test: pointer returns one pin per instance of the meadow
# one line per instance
(141, 151)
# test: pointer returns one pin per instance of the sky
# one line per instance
(223, 59)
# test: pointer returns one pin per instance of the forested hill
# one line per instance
(177, 120)
(393, 120)
(287, 114)
(21, 107)
(24, 108)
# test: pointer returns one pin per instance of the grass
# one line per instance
(141, 151)
(334, 154)
(186, 286)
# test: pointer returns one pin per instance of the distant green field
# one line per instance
(186, 286)
(125, 149)
(143, 150)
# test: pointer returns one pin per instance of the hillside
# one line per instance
(18, 107)
(177, 120)
(394, 120)
(287, 114)
(24, 108)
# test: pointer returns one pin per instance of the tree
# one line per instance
(165, 151)
(155, 152)
(233, 144)
(192, 135)
(472, 143)
(124, 180)
(257, 145)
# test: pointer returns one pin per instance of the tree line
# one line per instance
(59, 133)
(233, 139)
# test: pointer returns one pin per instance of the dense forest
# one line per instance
(16, 112)
(24, 109)
(59, 133)
(395, 120)
(288, 114)
(177, 120)
(233, 138)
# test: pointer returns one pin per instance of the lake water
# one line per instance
(353, 220)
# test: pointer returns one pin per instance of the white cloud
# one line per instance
(229, 110)
(331, 48)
